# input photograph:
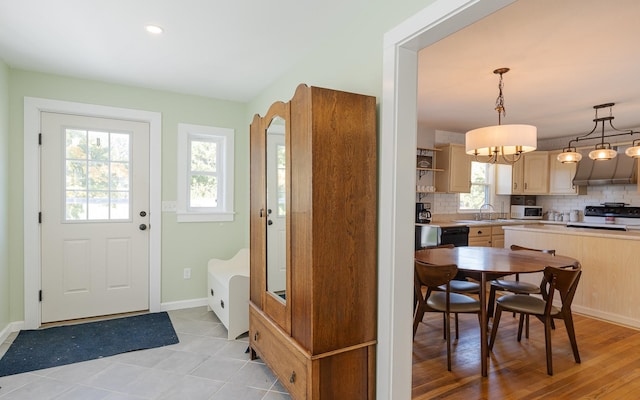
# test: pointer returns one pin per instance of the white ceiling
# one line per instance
(221, 49)
(565, 57)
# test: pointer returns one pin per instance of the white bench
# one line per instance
(228, 287)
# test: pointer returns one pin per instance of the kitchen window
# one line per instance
(480, 188)
(205, 173)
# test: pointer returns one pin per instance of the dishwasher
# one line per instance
(433, 235)
(455, 235)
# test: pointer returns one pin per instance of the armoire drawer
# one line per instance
(275, 349)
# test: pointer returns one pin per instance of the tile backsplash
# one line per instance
(595, 196)
(447, 203)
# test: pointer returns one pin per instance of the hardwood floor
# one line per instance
(610, 367)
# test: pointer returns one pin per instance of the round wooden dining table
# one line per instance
(486, 263)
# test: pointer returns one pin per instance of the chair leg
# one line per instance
(520, 323)
(448, 337)
(568, 322)
(547, 342)
(526, 322)
(445, 318)
(417, 318)
(491, 301)
(494, 328)
(456, 316)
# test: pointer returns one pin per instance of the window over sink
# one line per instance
(480, 188)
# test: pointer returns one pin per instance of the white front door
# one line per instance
(95, 216)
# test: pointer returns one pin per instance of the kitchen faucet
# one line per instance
(490, 213)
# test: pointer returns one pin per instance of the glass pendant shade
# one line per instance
(569, 156)
(501, 139)
(634, 150)
(602, 154)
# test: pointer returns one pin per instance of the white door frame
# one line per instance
(397, 181)
(32, 254)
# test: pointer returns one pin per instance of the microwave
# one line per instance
(526, 212)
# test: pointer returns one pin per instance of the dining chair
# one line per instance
(561, 280)
(459, 284)
(434, 300)
(513, 286)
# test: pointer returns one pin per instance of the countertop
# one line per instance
(470, 223)
(562, 229)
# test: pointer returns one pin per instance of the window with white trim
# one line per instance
(205, 173)
(480, 188)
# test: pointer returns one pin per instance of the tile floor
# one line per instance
(204, 365)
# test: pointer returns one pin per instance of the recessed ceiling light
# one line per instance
(155, 29)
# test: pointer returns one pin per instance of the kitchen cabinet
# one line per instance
(480, 236)
(529, 175)
(486, 236)
(316, 330)
(456, 166)
(561, 176)
(497, 236)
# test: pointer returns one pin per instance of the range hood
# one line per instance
(621, 170)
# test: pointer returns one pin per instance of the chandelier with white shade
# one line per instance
(506, 141)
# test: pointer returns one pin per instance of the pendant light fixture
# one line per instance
(501, 140)
(602, 151)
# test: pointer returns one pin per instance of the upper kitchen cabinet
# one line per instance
(456, 166)
(561, 176)
(529, 175)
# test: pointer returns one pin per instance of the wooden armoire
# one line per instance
(313, 243)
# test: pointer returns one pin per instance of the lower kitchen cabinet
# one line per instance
(486, 236)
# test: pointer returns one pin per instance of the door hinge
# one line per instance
(39, 138)
(40, 217)
(40, 295)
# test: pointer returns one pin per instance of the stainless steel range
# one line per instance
(611, 216)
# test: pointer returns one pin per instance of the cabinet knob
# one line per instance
(292, 378)
(222, 303)
(256, 336)
(212, 293)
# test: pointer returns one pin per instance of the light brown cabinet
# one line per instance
(317, 331)
(561, 176)
(456, 166)
(529, 175)
(486, 236)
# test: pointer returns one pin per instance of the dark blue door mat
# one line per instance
(61, 345)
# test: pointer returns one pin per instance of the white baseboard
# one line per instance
(179, 305)
(607, 317)
(9, 329)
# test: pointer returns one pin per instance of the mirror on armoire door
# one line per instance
(276, 209)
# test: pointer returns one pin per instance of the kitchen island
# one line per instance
(609, 285)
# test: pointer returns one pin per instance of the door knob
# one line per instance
(143, 213)
(143, 227)
(269, 222)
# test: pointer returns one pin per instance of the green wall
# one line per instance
(4, 190)
(183, 244)
(350, 59)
